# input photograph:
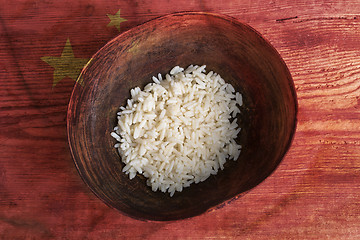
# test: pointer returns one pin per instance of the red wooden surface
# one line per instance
(314, 194)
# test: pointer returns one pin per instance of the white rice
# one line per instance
(179, 130)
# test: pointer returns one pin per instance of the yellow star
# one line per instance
(115, 20)
(66, 65)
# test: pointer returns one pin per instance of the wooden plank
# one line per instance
(314, 194)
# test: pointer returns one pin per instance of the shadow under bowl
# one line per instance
(235, 51)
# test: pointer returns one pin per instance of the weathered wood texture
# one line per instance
(315, 192)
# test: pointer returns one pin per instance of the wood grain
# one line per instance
(314, 194)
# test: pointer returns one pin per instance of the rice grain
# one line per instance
(180, 129)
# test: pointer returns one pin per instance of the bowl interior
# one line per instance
(235, 51)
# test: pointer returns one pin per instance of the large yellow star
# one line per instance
(66, 65)
(115, 20)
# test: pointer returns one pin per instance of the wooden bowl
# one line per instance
(235, 51)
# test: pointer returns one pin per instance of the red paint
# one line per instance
(314, 194)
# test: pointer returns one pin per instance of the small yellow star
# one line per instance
(115, 20)
(66, 65)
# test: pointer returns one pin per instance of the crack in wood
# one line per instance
(285, 19)
(282, 20)
(327, 18)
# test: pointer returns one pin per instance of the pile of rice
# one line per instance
(179, 130)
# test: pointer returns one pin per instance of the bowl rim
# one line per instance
(79, 85)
